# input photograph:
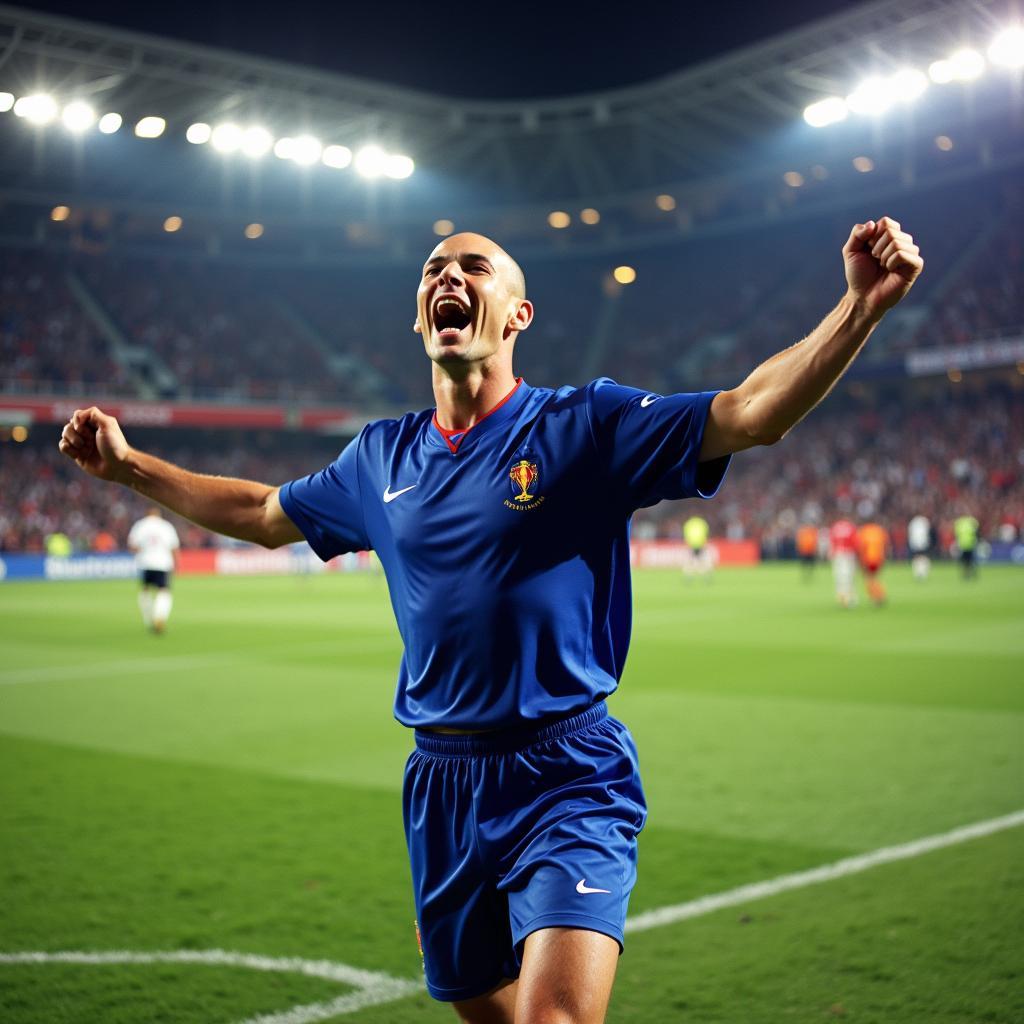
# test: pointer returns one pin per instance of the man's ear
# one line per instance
(416, 326)
(522, 317)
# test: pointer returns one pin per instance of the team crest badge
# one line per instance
(525, 478)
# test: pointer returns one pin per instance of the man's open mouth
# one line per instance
(451, 315)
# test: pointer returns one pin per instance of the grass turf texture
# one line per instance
(235, 784)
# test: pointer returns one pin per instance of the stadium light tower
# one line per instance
(1007, 49)
(198, 133)
(371, 162)
(226, 138)
(78, 116)
(110, 123)
(398, 166)
(40, 108)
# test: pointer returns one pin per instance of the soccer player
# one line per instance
(501, 518)
(155, 543)
(842, 541)
(807, 548)
(699, 560)
(965, 529)
(872, 544)
(920, 540)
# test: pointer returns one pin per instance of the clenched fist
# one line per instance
(94, 440)
(882, 263)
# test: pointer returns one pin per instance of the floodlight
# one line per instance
(150, 127)
(78, 116)
(110, 123)
(398, 166)
(226, 138)
(559, 219)
(967, 65)
(665, 202)
(1007, 49)
(794, 179)
(284, 148)
(825, 112)
(253, 231)
(256, 141)
(370, 161)
(940, 71)
(590, 216)
(873, 96)
(198, 133)
(337, 156)
(60, 213)
(306, 150)
(443, 227)
(39, 108)
(908, 84)
(172, 224)
(6, 101)
(624, 274)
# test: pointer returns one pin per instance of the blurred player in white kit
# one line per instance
(155, 543)
(919, 540)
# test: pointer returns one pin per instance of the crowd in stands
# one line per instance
(46, 340)
(699, 315)
(942, 456)
(43, 492)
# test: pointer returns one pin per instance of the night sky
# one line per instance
(483, 50)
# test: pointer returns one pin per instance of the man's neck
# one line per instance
(466, 399)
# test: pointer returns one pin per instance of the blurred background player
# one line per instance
(698, 559)
(965, 530)
(920, 540)
(155, 543)
(842, 540)
(807, 548)
(872, 544)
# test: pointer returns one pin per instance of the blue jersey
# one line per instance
(507, 554)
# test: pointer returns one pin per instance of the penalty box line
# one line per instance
(815, 876)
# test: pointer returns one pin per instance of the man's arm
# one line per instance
(882, 263)
(238, 508)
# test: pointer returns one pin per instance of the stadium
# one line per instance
(202, 808)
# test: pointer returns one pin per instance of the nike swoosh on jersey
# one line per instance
(644, 402)
(390, 495)
(582, 888)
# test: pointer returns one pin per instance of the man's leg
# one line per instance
(146, 605)
(497, 1007)
(566, 977)
(161, 608)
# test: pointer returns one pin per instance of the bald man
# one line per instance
(501, 518)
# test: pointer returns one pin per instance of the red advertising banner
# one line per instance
(178, 414)
(671, 554)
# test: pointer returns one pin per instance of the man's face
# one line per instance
(467, 301)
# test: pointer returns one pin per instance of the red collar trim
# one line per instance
(454, 437)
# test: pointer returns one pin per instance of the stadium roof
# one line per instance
(701, 125)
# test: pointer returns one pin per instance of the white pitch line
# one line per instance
(826, 873)
(372, 987)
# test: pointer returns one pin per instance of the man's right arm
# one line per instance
(244, 509)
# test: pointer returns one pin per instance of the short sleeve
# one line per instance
(173, 540)
(651, 443)
(327, 507)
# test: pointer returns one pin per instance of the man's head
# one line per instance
(471, 302)
(155, 510)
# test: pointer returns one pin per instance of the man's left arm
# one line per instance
(881, 263)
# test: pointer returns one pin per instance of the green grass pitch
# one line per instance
(234, 785)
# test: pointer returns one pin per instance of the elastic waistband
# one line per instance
(505, 741)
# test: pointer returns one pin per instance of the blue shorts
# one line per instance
(516, 831)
